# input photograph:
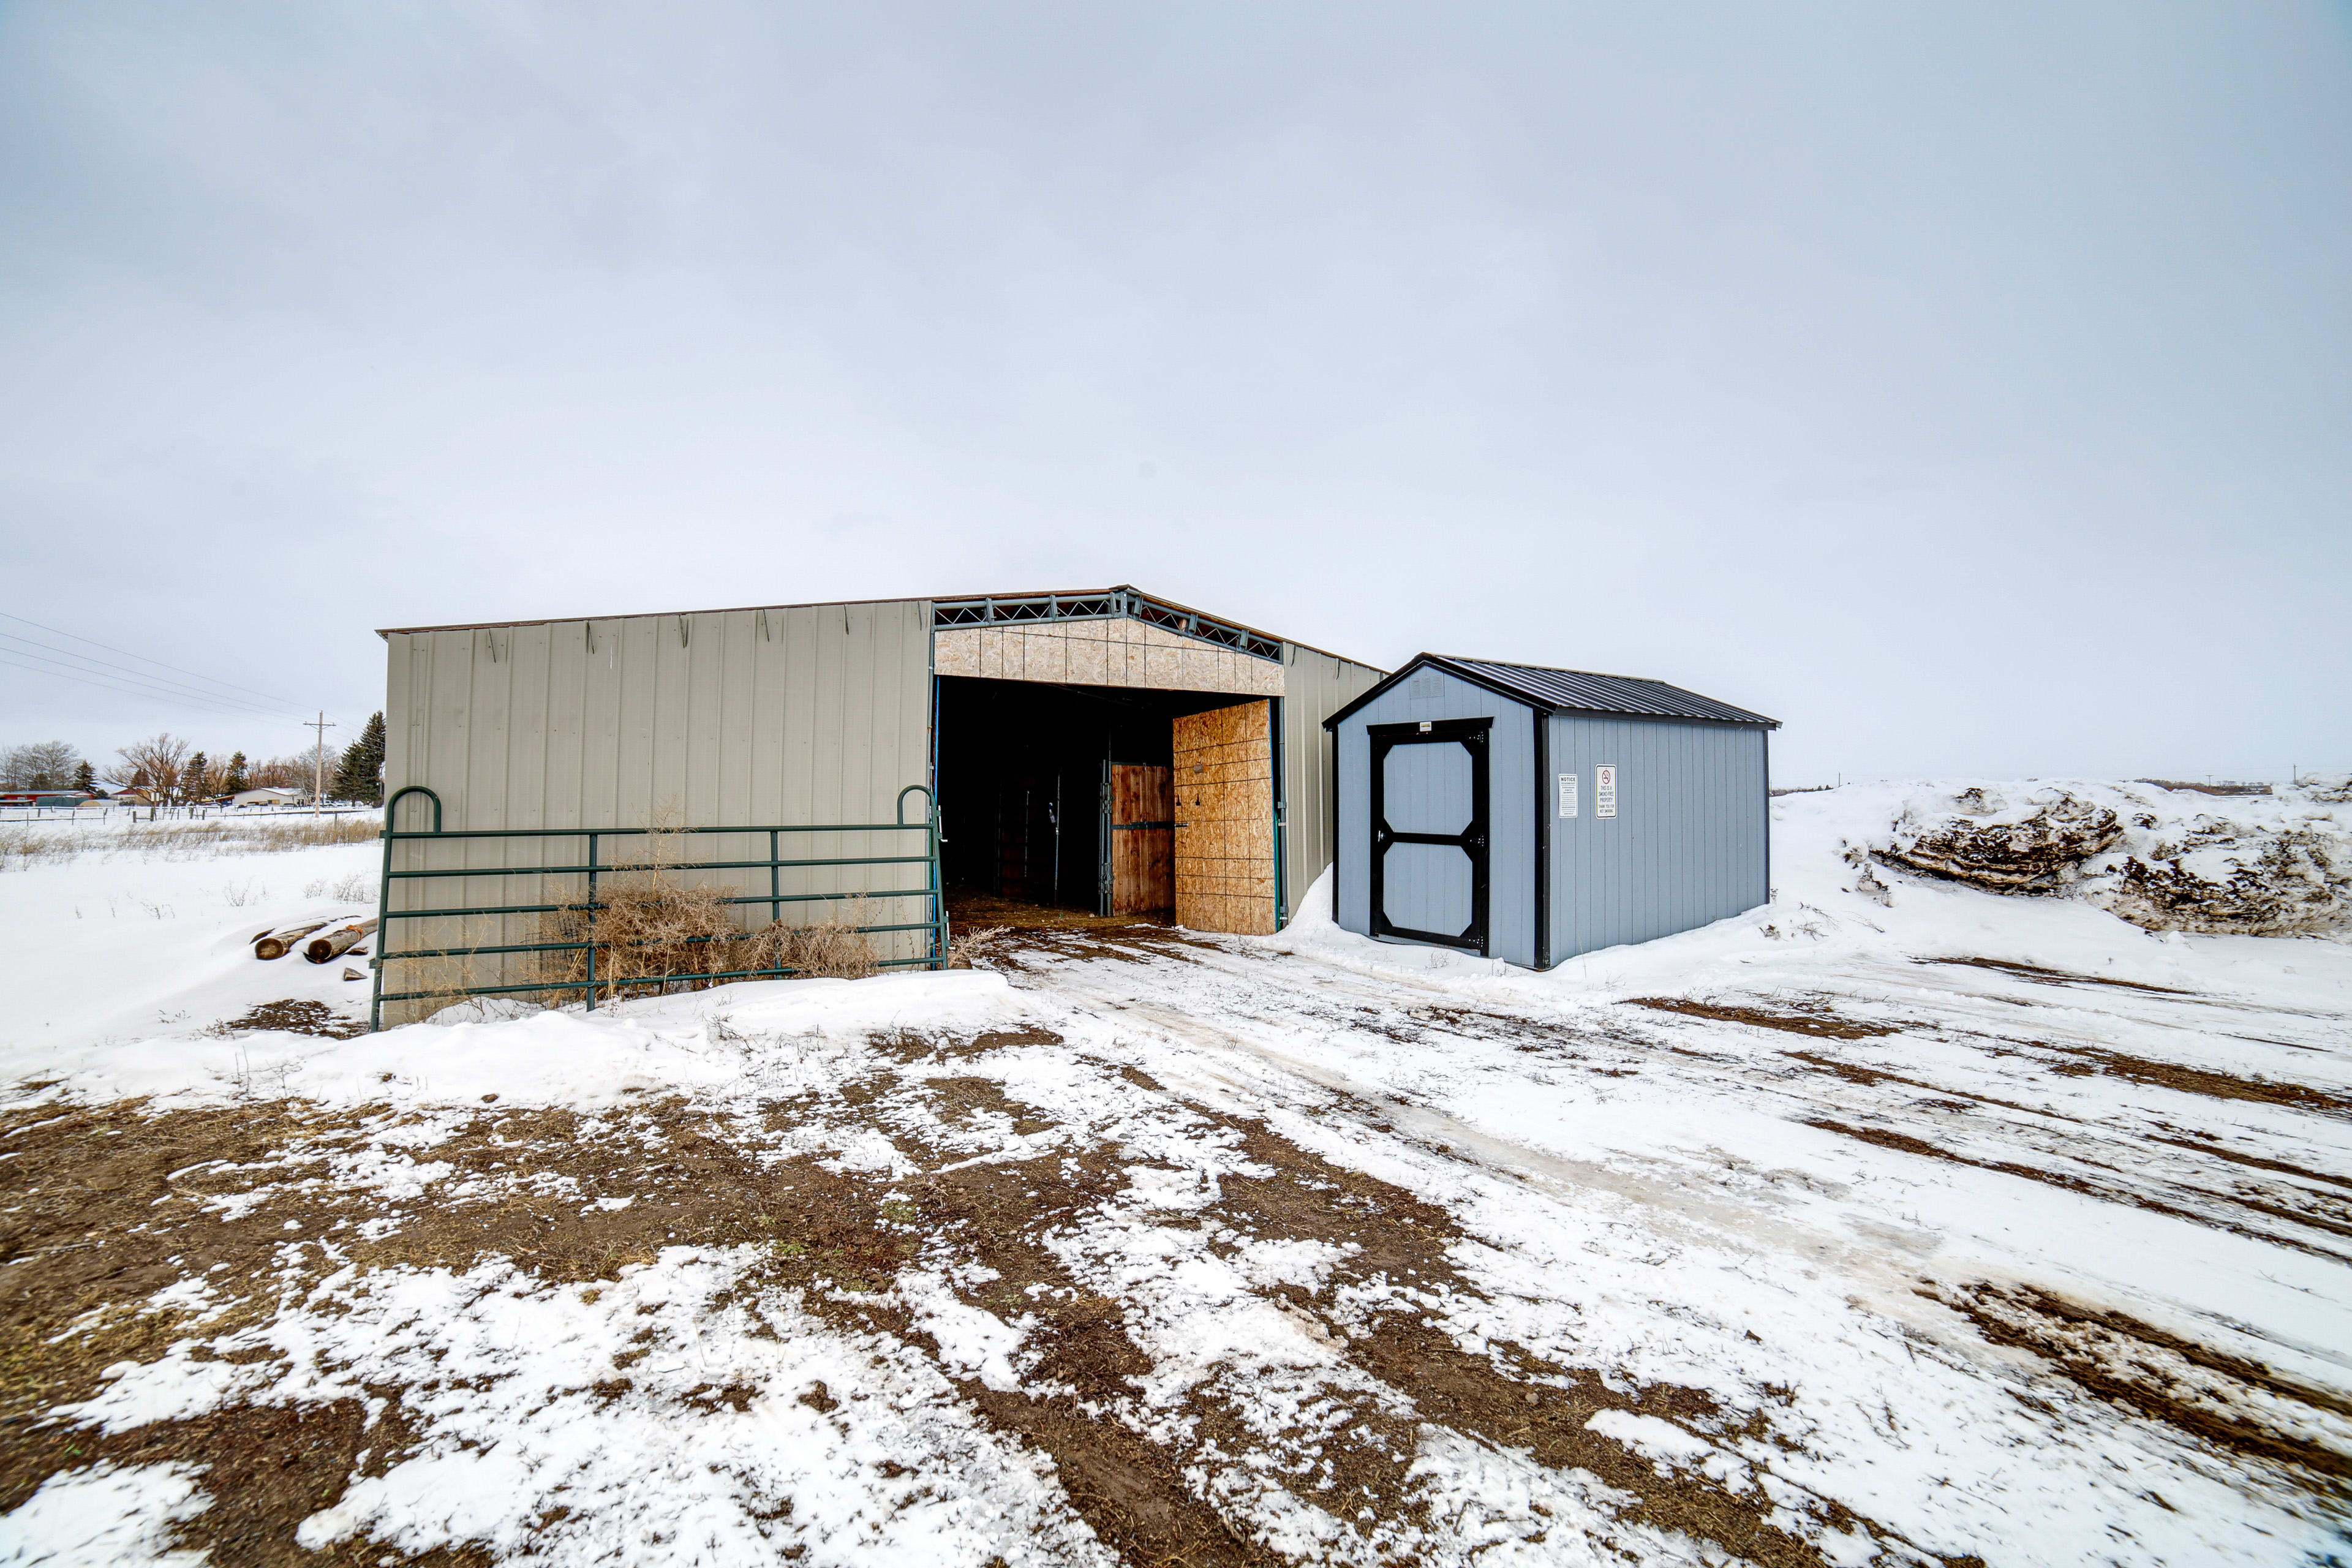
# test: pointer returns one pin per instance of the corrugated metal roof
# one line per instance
(1589, 693)
(999, 600)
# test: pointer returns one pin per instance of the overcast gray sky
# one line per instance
(1967, 386)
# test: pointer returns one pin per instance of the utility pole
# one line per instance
(318, 788)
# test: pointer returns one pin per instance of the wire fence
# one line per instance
(109, 812)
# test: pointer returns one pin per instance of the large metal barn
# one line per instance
(1105, 750)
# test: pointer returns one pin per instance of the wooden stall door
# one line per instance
(1225, 820)
(1142, 875)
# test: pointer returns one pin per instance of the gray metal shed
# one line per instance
(1530, 814)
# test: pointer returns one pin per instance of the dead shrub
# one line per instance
(832, 948)
(967, 949)
(652, 932)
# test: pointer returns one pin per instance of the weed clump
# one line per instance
(651, 932)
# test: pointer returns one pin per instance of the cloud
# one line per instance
(1868, 370)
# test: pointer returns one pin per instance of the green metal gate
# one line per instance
(593, 867)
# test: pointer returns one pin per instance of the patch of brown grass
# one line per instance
(2109, 1192)
(1823, 1026)
(293, 1017)
(2199, 1080)
(105, 1205)
(2231, 1402)
(2057, 976)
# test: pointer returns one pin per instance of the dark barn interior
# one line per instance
(1060, 794)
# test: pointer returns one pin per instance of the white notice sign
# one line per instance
(1568, 795)
(1604, 790)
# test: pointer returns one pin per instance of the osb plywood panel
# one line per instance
(1117, 652)
(1225, 820)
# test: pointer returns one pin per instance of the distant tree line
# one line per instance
(173, 772)
(43, 764)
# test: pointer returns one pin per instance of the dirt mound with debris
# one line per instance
(2277, 865)
(2036, 847)
(2332, 789)
(2224, 879)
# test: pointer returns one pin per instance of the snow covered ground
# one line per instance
(1896, 1221)
(119, 935)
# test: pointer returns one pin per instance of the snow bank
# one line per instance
(2273, 865)
(121, 949)
(693, 1043)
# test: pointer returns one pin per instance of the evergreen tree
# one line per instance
(359, 776)
(193, 781)
(85, 777)
(236, 782)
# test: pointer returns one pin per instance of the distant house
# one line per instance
(268, 796)
(42, 797)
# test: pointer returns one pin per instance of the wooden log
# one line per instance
(279, 943)
(334, 942)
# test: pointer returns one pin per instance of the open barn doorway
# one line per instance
(1113, 802)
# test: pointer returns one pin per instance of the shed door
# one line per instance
(1224, 819)
(1141, 865)
(1429, 815)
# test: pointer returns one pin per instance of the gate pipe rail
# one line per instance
(935, 922)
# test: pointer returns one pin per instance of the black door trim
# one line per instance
(1471, 735)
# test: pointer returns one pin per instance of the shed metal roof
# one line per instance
(1571, 691)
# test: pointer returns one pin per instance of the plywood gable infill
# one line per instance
(1117, 652)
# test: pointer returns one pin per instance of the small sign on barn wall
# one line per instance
(1604, 790)
(1568, 795)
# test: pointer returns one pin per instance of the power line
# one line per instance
(143, 659)
(149, 685)
(109, 664)
(110, 683)
(160, 685)
(215, 705)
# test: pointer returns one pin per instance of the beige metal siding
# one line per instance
(811, 714)
(1314, 686)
